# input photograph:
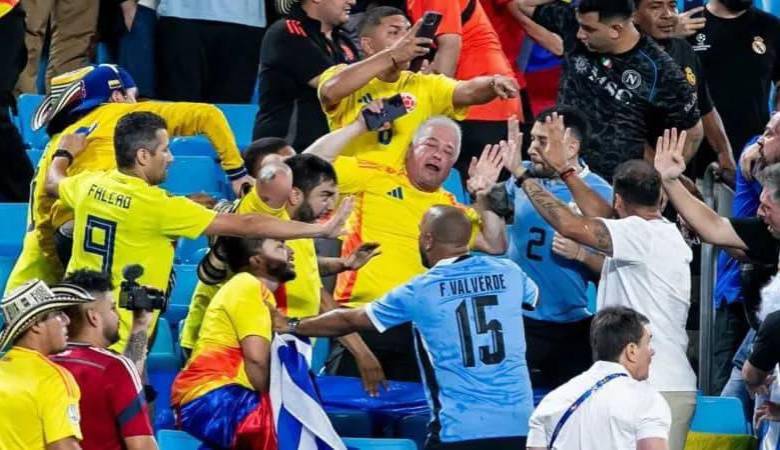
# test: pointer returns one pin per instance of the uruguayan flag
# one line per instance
(301, 423)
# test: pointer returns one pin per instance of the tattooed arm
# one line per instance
(585, 230)
(137, 344)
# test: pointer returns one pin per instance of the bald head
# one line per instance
(274, 182)
(445, 232)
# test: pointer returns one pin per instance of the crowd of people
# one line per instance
(483, 302)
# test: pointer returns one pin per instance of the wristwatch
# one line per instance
(62, 153)
(292, 324)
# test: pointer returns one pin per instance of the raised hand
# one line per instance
(362, 255)
(513, 160)
(687, 25)
(751, 159)
(669, 160)
(334, 227)
(559, 139)
(410, 46)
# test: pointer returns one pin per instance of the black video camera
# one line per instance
(135, 297)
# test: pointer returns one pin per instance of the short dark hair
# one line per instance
(573, 119)
(608, 9)
(261, 148)
(373, 18)
(637, 182)
(93, 282)
(134, 131)
(612, 329)
(770, 179)
(239, 250)
(309, 171)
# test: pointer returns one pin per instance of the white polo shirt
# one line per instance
(649, 272)
(614, 417)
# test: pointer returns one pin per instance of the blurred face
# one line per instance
(429, 161)
(157, 160)
(335, 12)
(657, 18)
(538, 144)
(384, 35)
(278, 259)
(642, 355)
(55, 330)
(597, 36)
(770, 139)
(769, 211)
(319, 203)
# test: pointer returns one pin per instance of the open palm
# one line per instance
(669, 160)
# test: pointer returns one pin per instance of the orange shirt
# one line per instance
(480, 53)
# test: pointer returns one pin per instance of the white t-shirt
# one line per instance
(649, 271)
(614, 417)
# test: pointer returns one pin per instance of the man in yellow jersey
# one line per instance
(312, 195)
(221, 395)
(40, 400)
(389, 205)
(390, 45)
(123, 218)
(92, 100)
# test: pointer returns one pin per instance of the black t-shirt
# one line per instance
(682, 53)
(740, 59)
(627, 97)
(766, 346)
(294, 51)
(762, 247)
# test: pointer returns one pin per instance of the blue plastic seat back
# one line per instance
(241, 118)
(379, 444)
(6, 265)
(27, 104)
(193, 174)
(454, 185)
(34, 155)
(721, 415)
(13, 224)
(176, 440)
(163, 354)
(191, 251)
(192, 146)
(186, 278)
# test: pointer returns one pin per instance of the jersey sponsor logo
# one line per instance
(410, 101)
(758, 46)
(690, 76)
(631, 78)
(590, 71)
(397, 193)
(700, 45)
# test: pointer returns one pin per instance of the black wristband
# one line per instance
(62, 153)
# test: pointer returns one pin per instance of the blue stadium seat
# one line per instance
(414, 427)
(27, 104)
(454, 185)
(721, 415)
(379, 444)
(190, 251)
(6, 265)
(176, 440)
(162, 355)
(186, 277)
(241, 118)
(319, 354)
(34, 155)
(12, 228)
(192, 174)
(192, 146)
(350, 422)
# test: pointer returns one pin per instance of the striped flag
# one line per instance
(301, 422)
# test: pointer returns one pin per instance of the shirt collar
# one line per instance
(607, 367)
(454, 259)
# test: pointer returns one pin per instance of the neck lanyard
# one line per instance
(574, 406)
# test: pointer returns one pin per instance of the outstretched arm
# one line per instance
(670, 163)
(330, 146)
(69, 144)
(480, 90)
(337, 322)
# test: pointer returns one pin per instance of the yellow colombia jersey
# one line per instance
(38, 258)
(40, 401)
(237, 310)
(297, 298)
(121, 220)
(388, 209)
(424, 96)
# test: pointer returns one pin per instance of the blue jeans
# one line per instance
(136, 51)
(735, 386)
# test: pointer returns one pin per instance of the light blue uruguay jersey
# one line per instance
(562, 283)
(470, 342)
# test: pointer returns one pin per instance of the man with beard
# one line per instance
(221, 395)
(114, 414)
(739, 48)
(479, 298)
(557, 330)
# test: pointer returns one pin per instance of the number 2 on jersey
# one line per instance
(105, 247)
(537, 241)
(482, 326)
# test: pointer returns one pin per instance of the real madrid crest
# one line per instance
(690, 76)
(758, 45)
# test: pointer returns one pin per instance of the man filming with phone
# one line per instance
(410, 98)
